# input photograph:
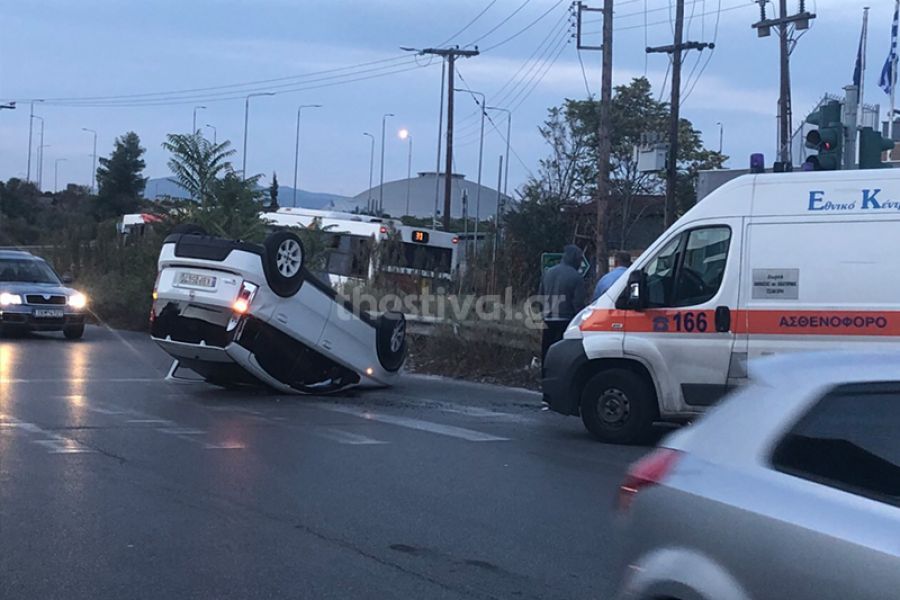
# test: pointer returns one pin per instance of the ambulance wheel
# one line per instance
(189, 229)
(390, 340)
(283, 263)
(618, 407)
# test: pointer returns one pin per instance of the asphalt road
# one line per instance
(116, 484)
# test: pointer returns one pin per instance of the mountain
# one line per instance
(163, 186)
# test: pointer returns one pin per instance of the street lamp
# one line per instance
(404, 134)
(39, 150)
(215, 133)
(194, 121)
(246, 119)
(94, 160)
(371, 170)
(381, 185)
(481, 106)
(508, 132)
(56, 173)
(297, 148)
(30, 135)
(41, 167)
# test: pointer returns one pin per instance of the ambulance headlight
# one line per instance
(573, 331)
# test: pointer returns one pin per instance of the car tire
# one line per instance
(189, 229)
(619, 407)
(73, 332)
(283, 263)
(390, 340)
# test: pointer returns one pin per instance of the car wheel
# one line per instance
(390, 340)
(73, 332)
(189, 229)
(618, 407)
(283, 263)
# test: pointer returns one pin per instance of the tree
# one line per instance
(119, 180)
(232, 208)
(273, 193)
(197, 163)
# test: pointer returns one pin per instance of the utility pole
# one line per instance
(601, 243)
(93, 160)
(676, 51)
(786, 44)
(450, 54)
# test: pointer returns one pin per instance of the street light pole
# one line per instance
(41, 167)
(381, 184)
(56, 173)
(405, 134)
(297, 148)
(481, 107)
(194, 121)
(371, 171)
(93, 160)
(215, 134)
(508, 133)
(246, 120)
(40, 151)
(721, 135)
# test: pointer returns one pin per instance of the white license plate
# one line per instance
(48, 313)
(197, 280)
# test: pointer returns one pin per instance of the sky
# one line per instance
(83, 53)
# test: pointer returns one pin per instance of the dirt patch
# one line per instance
(447, 354)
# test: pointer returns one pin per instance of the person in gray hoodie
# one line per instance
(564, 295)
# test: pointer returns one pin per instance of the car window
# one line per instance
(26, 271)
(703, 266)
(849, 441)
(661, 274)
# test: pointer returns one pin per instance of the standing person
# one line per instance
(564, 295)
(622, 261)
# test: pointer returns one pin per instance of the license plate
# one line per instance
(195, 280)
(48, 313)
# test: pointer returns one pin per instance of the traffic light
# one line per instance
(871, 145)
(828, 139)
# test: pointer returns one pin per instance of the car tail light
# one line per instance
(155, 294)
(647, 472)
(382, 229)
(455, 240)
(241, 304)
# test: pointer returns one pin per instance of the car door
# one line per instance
(685, 333)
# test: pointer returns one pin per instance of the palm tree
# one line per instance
(197, 163)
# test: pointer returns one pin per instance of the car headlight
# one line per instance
(78, 301)
(6, 299)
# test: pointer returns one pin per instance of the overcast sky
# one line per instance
(101, 48)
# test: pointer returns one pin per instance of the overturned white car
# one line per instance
(237, 312)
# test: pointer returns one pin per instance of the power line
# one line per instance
(630, 27)
(232, 87)
(526, 28)
(587, 86)
(500, 24)
(469, 24)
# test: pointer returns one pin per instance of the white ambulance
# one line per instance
(766, 264)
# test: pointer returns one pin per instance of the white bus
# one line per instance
(353, 240)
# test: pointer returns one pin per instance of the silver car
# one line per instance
(789, 489)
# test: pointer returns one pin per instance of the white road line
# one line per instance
(85, 380)
(179, 431)
(151, 421)
(345, 437)
(463, 409)
(55, 443)
(438, 428)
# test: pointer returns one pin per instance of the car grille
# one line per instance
(41, 299)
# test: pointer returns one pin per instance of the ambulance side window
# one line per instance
(661, 273)
(689, 269)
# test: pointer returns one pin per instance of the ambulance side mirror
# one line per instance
(634, 296)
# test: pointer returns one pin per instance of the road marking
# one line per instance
(151, 421)
(55, 443)
(463, 409)
(418, 424)
(345, 437)
(181, 431)
(85, 380)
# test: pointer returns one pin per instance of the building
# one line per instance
(416, 197)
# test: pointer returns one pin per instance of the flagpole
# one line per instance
(862, 70)
(893, 84)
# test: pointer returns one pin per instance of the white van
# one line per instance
(766, 264)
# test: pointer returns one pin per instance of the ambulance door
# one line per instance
(686, 333)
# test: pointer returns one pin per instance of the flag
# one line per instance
(887, 73)
(857, 71)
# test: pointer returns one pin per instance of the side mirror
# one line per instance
(68, 278)
(634, 296)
